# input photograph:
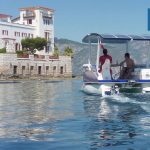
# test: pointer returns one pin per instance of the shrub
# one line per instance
(3, 50)
(20, 52)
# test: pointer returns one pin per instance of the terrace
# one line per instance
(37, 57)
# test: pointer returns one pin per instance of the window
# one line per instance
(15, 70)
(47, 48)
(31, 70)
(24, 34)
(29, 21)
(17, 33)
(47, 70)
(47, 67)
(23, 67)
(61, 70)
(39, 70)
(43, 21)
(23, 70)
(46, 21)
(31, 67)
(4, 32)
(6, 42)
(17, 46)
(54, 68)
(47, 35)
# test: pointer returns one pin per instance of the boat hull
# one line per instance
(93, 89)
(100, 89)
(111, 87)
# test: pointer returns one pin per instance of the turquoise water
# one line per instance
(45, 115)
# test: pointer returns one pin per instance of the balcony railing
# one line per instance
(53, 57)
(47, 15)
(39, 57)
(22, 55)
(29, 15)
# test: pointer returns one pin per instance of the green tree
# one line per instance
(68, 51)
(31, 44)
(56, 51)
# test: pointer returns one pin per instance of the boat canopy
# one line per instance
(110, 38)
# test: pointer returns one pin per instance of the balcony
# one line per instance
(46, 15)
(26, 15)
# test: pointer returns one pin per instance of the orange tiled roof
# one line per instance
(4, 16)
(35, 8)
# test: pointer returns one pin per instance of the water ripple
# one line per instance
(57, 115)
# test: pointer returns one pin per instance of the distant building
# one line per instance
(32, 22)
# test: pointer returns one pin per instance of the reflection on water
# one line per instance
(29, 110)
(114, 122)
(57, 115)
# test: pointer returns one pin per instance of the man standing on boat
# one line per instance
(103, 58)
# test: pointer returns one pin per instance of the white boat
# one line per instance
(102, 83)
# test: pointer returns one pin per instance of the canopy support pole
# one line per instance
(89, 59)
(148, 58)
(127, 47)
(98, 53)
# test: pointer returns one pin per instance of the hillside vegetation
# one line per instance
(140, 52)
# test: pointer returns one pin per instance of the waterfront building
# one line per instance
(31, 23)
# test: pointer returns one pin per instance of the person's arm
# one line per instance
(122, 62)
(100, 63)
(115, 65)
(110, 59)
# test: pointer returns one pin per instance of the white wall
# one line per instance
(37, 28)
(12, 28)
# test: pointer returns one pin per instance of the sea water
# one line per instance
(56, 115)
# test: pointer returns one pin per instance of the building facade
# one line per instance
(32, 22)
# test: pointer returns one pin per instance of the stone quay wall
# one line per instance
(35, 66)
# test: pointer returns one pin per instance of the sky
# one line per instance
(76, 18)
